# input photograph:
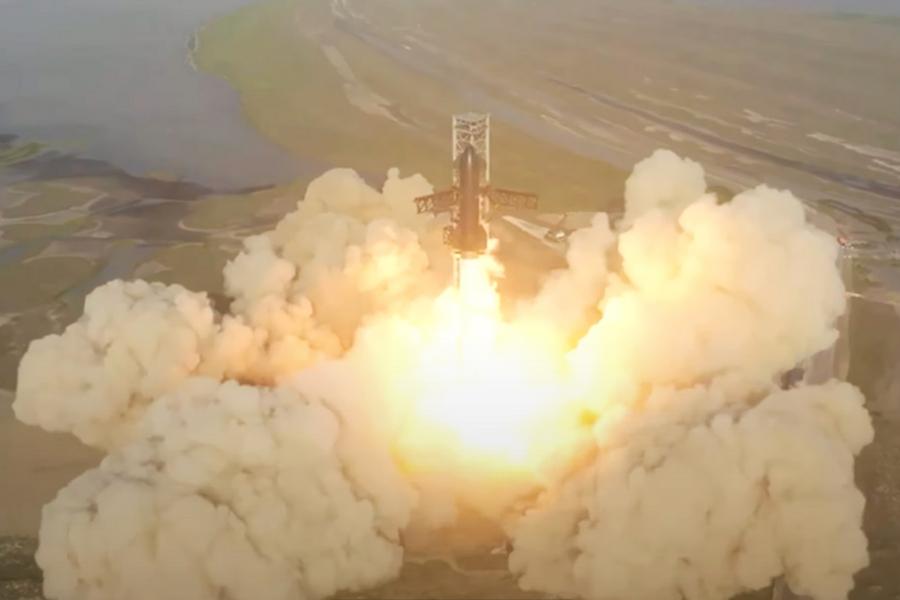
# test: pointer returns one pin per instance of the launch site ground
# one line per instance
(796, 99)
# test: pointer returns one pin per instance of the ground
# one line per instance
(326, 95)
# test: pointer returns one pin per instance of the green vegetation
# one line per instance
(42, 197)
(888, 20)
(294, 93)
(16, 154)
(21, 232)
(227, 213)
(196, 266)
(31, 282)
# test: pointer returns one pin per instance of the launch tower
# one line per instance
(472, 129)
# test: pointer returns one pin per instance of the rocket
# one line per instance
(469, 235)
(471, 204)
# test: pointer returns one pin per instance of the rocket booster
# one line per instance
(469, 236)
(470, 204)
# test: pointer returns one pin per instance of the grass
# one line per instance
(34, 281)
(271, 53)
(229, 212)
(21, 232)
(47, 197)
(10, 156)
(195, 266)
(290, 91)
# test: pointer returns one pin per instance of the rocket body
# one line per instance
(471, 202)
(469, 236)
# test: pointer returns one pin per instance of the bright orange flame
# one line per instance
(483, 387)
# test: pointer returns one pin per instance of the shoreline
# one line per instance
(193, 46)
(49, 163)
(133, 98)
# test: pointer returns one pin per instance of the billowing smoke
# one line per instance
(702, 494)
(229, 491)
(624, 429)
(299, 292)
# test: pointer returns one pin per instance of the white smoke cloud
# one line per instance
(664, 182)
(135, 342)
(699, 495)
(229, 491)
(698, 488)
(568, 299)
(286, 446)
(746, 286)
(299, 294)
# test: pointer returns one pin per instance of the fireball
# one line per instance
(489, 398)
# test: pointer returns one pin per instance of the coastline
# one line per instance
(337, 98)
(130, 95)
(193, 46)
